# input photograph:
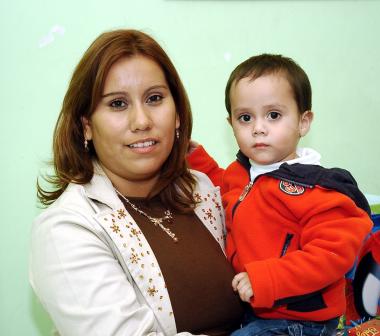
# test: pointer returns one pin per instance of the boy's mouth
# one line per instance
(260, 145)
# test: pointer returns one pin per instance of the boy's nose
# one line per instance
(258, 129)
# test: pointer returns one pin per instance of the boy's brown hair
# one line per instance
(266, 64)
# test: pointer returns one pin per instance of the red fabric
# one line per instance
(351, 314)
(372, 245)
(196, 160)
(328, 231)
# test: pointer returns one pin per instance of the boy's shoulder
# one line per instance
(312, 175)
(337, 179)
(240, 165)
(235, 177)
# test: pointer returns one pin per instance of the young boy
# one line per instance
(294, 228)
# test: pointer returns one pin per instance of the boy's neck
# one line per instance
(304, 156)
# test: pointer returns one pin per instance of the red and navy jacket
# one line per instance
(296, 231)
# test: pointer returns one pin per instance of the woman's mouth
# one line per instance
(143, 144)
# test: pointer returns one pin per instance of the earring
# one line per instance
(177, 133)
(86, 145)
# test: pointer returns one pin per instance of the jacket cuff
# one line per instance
(262, 284)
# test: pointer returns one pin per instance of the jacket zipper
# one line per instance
(249, 186)
(243, 195)
(288, 239)
(245, 192)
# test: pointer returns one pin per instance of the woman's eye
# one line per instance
(118, 104)
(273, 115)
(245, 118)
(154, 99)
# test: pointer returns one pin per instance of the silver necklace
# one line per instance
(154, 220)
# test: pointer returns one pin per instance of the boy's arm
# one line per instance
(332, 235)
(242, 285)
(200, 160)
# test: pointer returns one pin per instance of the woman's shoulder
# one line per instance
(203, 181)
(84, 199)
(73, 198)
(71, 207)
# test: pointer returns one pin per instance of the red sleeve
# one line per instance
(200, 160)
(333, 232)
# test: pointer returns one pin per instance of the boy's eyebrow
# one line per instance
(269, 106)
(240, 109)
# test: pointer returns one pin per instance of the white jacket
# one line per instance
(94, 271)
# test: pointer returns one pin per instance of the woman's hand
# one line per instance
(242, 285)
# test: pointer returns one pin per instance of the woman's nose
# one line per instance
(140, 119)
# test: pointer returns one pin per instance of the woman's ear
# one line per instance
(177, 121)
(87, 131)
(305, 122)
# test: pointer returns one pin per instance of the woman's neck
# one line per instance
(132, 187)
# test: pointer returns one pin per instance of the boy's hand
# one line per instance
(192, 146)
(242, 285)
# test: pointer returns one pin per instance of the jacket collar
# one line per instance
(101, 189)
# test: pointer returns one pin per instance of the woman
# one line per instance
(132, 242)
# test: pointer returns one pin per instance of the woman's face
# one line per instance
(133, 126)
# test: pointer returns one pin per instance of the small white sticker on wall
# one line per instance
(227, 56)
(56, 30)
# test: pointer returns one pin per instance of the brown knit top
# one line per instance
(197, 275)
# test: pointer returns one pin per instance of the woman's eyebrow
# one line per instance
(158, 86)
(153, 87)
(116, 93)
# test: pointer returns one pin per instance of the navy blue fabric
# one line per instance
(253, 326)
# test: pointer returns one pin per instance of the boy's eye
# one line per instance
(245, 118)
(273, 115)
(154, 99)
(118, 104)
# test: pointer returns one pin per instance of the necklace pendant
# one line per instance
(168, 214)
(155, 221)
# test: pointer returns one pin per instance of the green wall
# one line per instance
(337, 43)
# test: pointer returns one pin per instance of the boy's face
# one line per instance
(265, 119)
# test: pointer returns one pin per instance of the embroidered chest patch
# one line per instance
(291, 188)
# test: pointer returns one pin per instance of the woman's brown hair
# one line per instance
(72, 163)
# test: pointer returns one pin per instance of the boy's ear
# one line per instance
(229, 120)
(305, 122)
(87, 131)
